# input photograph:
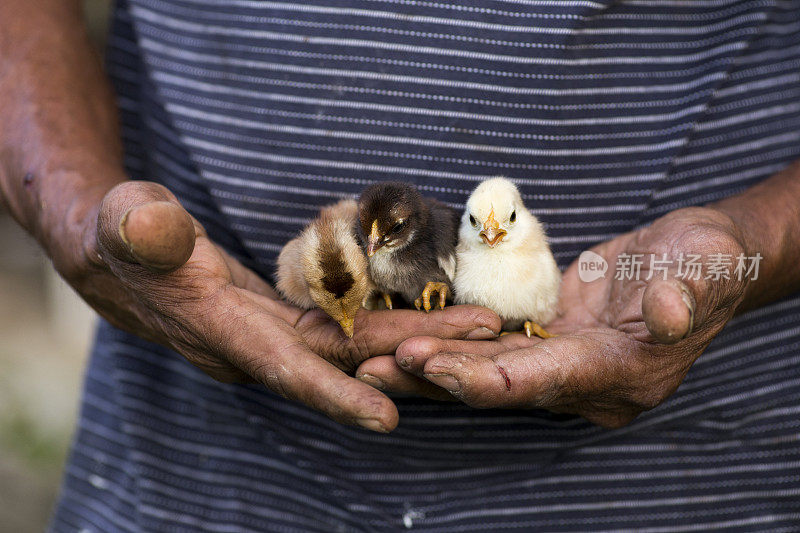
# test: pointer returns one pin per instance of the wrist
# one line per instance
(58, 204)
(767, 220)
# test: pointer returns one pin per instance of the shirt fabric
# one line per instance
(606, 114)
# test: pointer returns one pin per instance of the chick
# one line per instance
(504, 261)
(324, 266)
(410, 241)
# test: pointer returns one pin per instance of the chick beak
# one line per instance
(347, 323)
(375, 238)
(492, 234)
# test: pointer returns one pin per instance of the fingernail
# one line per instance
(371, 424)
(372, 381)
(122, 223)
(480, 334)
(446, 381)
(687, 298)
(124, 234)
(405, 362)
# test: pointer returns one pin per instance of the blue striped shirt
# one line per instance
(607, 114)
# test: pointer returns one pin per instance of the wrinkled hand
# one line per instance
(624, 346)
(147, 267)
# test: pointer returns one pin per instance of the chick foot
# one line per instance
(529, 329)
(431, 287)
(532, 328)
(387, 299)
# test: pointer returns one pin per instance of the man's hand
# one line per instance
(623, 346)
(138, 258)
(149, 268)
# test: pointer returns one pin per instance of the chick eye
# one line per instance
(513, 217)
(398, 227)
(473, 221)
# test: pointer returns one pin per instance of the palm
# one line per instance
(599, 303)
(622, 346)
(149, 268)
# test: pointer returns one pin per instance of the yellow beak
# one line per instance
(374, 242)
(492, 233)
(347, 323)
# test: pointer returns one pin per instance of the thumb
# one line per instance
(143, 223)
(668, 307)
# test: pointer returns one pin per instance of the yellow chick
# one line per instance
(325, 266)
(503, 261)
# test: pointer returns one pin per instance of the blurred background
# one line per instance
(45, 331)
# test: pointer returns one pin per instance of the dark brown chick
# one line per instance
(410, 241)
(325, 266)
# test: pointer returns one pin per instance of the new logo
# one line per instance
(591, 266)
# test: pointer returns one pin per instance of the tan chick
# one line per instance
(325, 267)
(503, 261)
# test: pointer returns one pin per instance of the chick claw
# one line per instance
(431, 287)
(387, 299)
(532, 328)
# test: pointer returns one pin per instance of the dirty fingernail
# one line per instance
(689, 301)
(372, 424)
(481, 334)
(405, 362)
(372, 381)
(446, 381)
(122, 225)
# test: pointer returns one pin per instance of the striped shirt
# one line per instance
(607, 114)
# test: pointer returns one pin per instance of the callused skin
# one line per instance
(623, 346)
(138, 258)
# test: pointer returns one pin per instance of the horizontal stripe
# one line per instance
(605, 114)
(474, 24)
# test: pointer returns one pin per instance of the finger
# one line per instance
(142, 222)
(668, 309)
(554, 372)
(474, 379)
(383, 373)
(271, 351)
(383, 331)
(412, 354)
(707, 302)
